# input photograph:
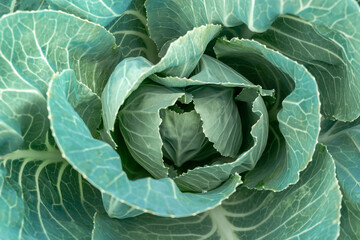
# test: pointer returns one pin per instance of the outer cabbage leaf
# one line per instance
(126, 20)
(333, 20)
(325, 59)
(343, 142)
(53, 201)
(50, 199)
(12, 208)
(102, 12)
(99, 163)
(295, 127)
(309, 209)
(10, 6)
(33, 46)
(131, 33)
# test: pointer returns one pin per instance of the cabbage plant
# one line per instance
(192, 119)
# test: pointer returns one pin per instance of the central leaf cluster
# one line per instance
(193, 123)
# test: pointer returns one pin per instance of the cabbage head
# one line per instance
(168, 119)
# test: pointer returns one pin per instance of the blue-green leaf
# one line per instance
(10, 6)
(131, 33)
(33, 46)
(86, 103)
(97, 162)
(47, 198)
(12, 208)
(102, 12)
(116, 209)
(126, 20)
(125, 79)
(209, 71)
(308, 210)
(343, 142)
(295, 127)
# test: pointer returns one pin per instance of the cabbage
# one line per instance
(179, 119)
